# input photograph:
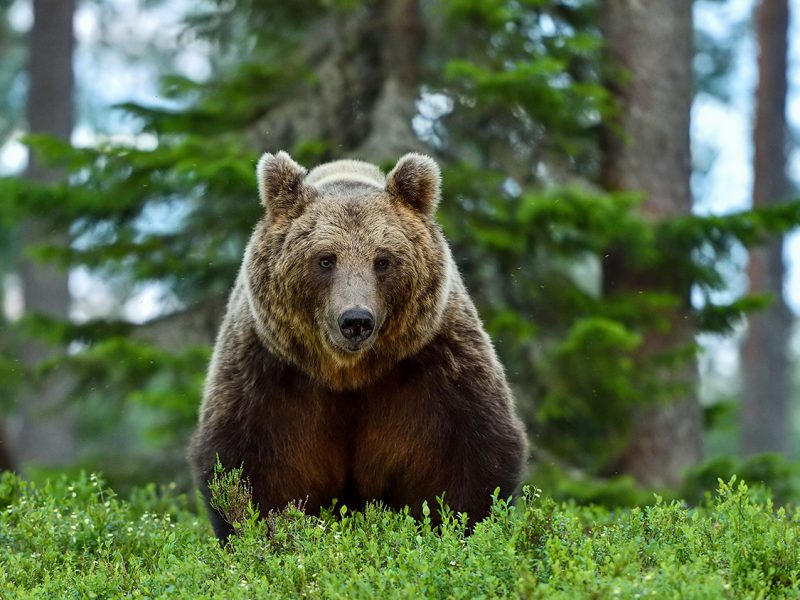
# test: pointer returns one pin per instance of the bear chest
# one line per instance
(383, 443)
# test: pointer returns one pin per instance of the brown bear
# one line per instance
(351, 363)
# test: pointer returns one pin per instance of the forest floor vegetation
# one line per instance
(76, 538)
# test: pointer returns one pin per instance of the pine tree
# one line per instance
(767, 381)
(42, 436)
(645, 41)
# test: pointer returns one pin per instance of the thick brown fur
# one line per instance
(423, 409)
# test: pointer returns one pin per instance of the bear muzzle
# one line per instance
(354, 330)
(357, 325)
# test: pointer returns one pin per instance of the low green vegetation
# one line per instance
(75, 538)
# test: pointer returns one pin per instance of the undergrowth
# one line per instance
(75, 538)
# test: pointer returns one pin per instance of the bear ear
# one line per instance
(280, 183)
(416, 180)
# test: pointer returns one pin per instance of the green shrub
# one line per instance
(75, 538)
(766, 471)
(580, 488)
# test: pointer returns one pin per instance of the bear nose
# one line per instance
(356, 324)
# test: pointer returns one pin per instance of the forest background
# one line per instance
(618, 182)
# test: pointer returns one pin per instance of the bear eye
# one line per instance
(382, 264)
(327, 261)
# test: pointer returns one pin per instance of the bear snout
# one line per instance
(356, 325)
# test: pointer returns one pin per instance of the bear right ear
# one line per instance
(280, 183)
(416, 180)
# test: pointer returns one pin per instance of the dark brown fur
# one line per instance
(424, 411)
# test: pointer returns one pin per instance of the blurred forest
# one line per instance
(563, 130)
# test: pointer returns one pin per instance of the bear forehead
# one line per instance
(356, 216)
(354, 205)
(347, 190)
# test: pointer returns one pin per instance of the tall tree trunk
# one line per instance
(765, 408)
(402, 40)
(650, 43)
(7, 459)
(45, 433)
(367, 61)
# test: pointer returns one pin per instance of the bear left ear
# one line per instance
(416, 180)
(280, 182)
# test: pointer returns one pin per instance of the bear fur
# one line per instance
(418, 408)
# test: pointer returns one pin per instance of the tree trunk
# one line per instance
(44, 429)
(649, 48)
(765, 408)
(364, 98)
(7, 460)
(391, 134)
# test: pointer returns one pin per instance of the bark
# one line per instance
(391, 134)
(649, 50)
(766, 369)
(364, 97)
(44, 428)
(7, 461)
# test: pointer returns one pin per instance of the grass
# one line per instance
(75, 538)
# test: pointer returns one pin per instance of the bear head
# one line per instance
(347, 273)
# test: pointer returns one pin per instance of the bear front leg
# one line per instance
(202, 465)
(475, 466)
(454, 440)
(222, 529)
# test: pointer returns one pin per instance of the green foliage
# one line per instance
(535, 263)
(134, 395)
(526, 84)
(148, 215)
(580, 488)
(591, 397)
(79, 536)
(771, 472)
(231, 496)
(768, 474)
